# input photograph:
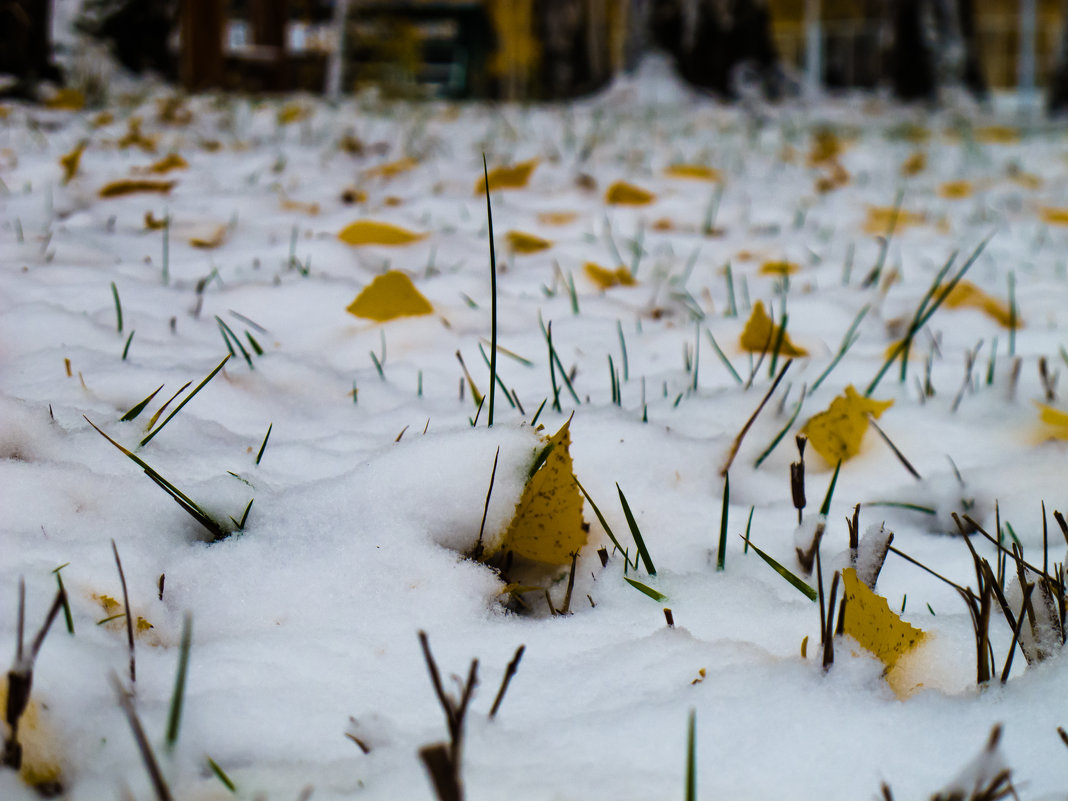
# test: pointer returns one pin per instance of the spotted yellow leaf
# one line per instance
(372, 232)
(70, 161)
(870, 621)
(522, 242)
(966, 294)
(761, 334)
(548, 525)
(1055, 421)
(107, 603)
(134, 186)
(605, 278)
(956, 190)
(694, 172)
(172, 161)
(389, 296)
(623, 194)
(515, 176)
(779, 268)
(836, 433)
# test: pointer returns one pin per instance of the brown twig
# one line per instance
(509, 672)
(749, 423)
(129, 616)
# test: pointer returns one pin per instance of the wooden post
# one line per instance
(269, 18)
(201, 61)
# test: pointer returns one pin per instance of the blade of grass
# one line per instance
(782, 433)
(825, 508)
(68, 617)
(231, 340)
(159, 784)
(646, 589)
(600, 519)
(186, 400)
(140, 407)
(174, 719)
(847, 342)
(220, 774)
(691, 757)
(643, 552)
(723, 358)
(797, 583)
(126, 347)
(263, 445)
(118, 307)
(721, 556)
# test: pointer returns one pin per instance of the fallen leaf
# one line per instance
(293, 112)
(40, 758)
(389, 296)
(623, 194)
(693, 172)
(605, 278)
(172, 161)
(760, 335)
(135, 138)
(1052, 215)
(133, 186)
(826, 147)
(152, 223)
(557, 217)
(997, 135)
(779, 268)
(966, 294)
(955, 190)
(392, 168)
(522, 242)
(547, 526)
(296, 205)
(66, 100)
(371, 232)
(1056, 421)
(210, 238)
(914, 164)
(514, 177)
(70, 161)
(880, 218)
(836, 433)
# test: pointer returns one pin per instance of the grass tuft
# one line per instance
(189, 397)
(643, 552)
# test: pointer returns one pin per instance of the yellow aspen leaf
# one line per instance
(143, 625)
(209, 238)
(557, 217)
(108, 603)
(514, 177)
(997, 135)
(389, 296)
(40, 755)
(914, 164)
(66, 100)
(392, 168)
(761, 334)
(836, 433)
(172, 161)
(779, 268)
(623, 194)
(392, 201)
(1052, 215)
(870, 621)
(605, 278)
(371, 232)
(70, 161)
(956, 190)
(522, 242)
(880, 218)
(153, 223)
(293, 112)
(694, 172)
(547, 526)
(210, 145)
(966, 294)
(1055, 420)
(133, 186)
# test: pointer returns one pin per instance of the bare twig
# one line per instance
(749, 423)
(129, 616)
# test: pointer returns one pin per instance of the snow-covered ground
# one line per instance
(372, 486)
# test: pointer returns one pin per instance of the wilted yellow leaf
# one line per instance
(956, 190)
(836, 433)
(513, 177)
(1026, 180)
(392, 168)
(108, 603)
(1052, 215)
(914, 164)
(870, 622)
(548, 525)
(695, 172)
(40, 758)
(66, 100)
(172, 161)
(880, 218)
(968, 294)
(210, 238)
(557, 217)
(389, 296)
(605, 278)
(779, 268)
(623, 194)
(70, 161)
(522, 242)
(760, 335)
(133, 186)
(371, 232)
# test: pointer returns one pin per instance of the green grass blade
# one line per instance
(63, 599)
(723, 358)
(600, 519)
(643, 552)
(798, 584)
(691, 757)
(118, 307)
(825, 509)
(645, 589)
(140, 407)
(256, 347)
(230, 337)
(263, 445)
(721, 556)
(174, 719)
(186, 400)
(244, 516)
(782, 433)
(220, 774)
(491, 364)
(126, 347)
(847, 342)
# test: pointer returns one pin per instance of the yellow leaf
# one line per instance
(522, 242)
(623, 194)
(548, 525)
(969, 295)
(70, 161)
(997, 135)
(869, 621)
(779, 268)
(389, 296)
(1055, 216)
(1055, 419)
(880, 218)
(293, 112)
(695, 172)
(392, 168)
(955, 190)
(915, 163)
(760, 334)
(134, 138)
(172, 161)
(836, 433)
(605, 278)
(296, 205)
(514, 177)
(102, 119)
(40, 757)
(154, 224)
(66, 100)
(108, 603)
(557, 217)
(132, 186)
(210, 238)
(143, 625)
(370, 232)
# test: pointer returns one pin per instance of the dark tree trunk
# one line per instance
(269, 19)
(912, 67)
(202, 59)
(1057, 99)
(26, 43)
(974, 78)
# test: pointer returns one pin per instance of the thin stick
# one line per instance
(129, 617)
(900, 456)
(749, 423)
(489, 493)
(163, 792)
(509, 672)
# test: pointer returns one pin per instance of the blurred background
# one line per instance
(916, 50)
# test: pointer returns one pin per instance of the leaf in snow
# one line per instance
(392, 168)
(522, 242)
(836, 433)
(760, 335)
(694, 172)
(133, 186)
(210, 237)
(172, 161)
(955, 190)
(371, 232)
(623, 194)
(389, 296)
(605, 278)
(70, 161)
(557, 217)
(969, 295)
(779, 268)
(514, 177)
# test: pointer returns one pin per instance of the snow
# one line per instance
(305, 623)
